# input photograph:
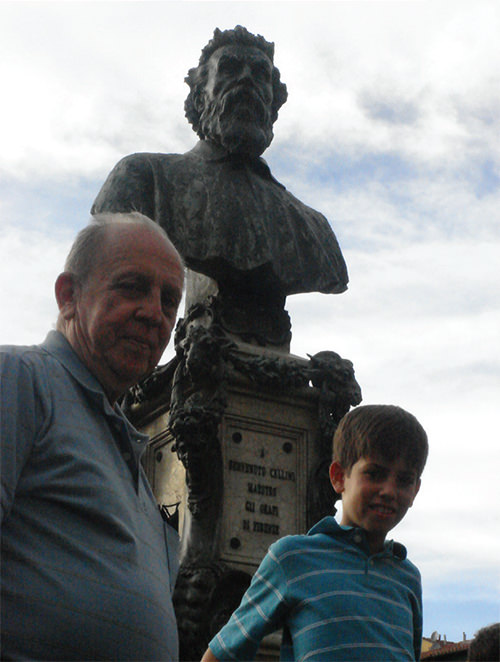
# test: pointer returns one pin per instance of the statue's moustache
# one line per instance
(244, 96)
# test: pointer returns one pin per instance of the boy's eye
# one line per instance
(406, 481)
(374, 474)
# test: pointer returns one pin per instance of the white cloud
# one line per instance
(91, 81)
(29, 264)
(424, 336)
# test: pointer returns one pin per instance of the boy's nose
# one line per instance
(389, 488)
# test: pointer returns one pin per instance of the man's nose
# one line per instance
(151, 308)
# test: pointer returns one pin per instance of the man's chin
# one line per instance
(134, 366)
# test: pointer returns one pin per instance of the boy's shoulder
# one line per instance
(326, 533)
(327, 537)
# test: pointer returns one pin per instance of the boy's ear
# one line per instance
(337, 477)
(65, 289)
(417, 487)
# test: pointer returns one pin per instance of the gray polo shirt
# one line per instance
(87, 563)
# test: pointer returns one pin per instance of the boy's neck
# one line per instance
(374, 544)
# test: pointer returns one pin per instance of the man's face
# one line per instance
(376, 495)
(120, 321)
(238, 99)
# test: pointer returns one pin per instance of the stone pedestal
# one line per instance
(241, 443)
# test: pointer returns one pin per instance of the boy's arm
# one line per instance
(417, 622)
(209, 656)
(263, 610)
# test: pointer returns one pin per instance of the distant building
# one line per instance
(437, 648)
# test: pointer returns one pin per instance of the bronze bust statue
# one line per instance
(224, 211)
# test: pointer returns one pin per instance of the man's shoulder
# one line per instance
(11, 355)
(25, 370)
(48, 358)
(42, 364)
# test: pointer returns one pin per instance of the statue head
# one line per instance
(235, 92)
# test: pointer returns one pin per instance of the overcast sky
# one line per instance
(391, 129)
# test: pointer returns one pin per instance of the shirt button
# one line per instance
(357, 538)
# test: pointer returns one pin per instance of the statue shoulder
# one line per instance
(131, 183)
(145, 162)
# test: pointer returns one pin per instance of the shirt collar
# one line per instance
(58, 346)
(356, 536)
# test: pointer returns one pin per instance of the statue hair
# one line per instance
(197, 76)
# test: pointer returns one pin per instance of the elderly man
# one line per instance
(224, 211)
(88, 564)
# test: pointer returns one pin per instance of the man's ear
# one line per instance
(337, 477)
(65, 289)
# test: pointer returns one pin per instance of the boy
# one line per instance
(344, 592)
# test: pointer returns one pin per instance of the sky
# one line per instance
(391, 129)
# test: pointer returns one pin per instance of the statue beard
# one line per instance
(239, 121)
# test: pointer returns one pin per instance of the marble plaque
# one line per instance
(264, 486)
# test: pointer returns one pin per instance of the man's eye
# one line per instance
(169, 304)
(130, 288)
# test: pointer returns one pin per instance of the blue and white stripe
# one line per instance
(334, 601)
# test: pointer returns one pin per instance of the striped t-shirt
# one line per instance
(333, 600)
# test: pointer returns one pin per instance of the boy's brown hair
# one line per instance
(385, 430)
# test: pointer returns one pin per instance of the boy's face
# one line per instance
(376, 495)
